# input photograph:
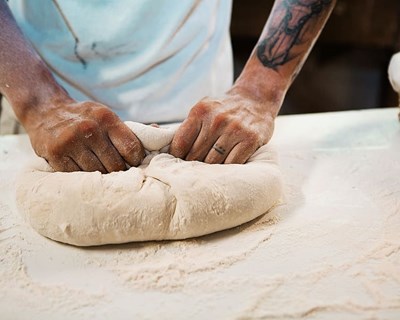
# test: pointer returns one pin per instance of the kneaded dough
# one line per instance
(164, 198)
(394, 72)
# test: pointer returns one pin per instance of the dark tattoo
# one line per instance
(277, 48)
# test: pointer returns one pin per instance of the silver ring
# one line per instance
(220, 150)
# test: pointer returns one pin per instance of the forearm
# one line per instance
(285, 43)
(24, 79)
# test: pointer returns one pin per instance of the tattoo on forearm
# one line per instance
(295, 17)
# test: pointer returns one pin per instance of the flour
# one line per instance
(331, 251)
(164, 198)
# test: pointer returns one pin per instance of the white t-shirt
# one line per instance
(149, 60)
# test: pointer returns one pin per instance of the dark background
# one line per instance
(347, 69)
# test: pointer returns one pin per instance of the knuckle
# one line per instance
(220, 121)
(244, 134)
(237, 128)
(87, 128)
(105, 115)
(87, 105)
(87, 108)
(200, 110)
(252, 138)
(98, 112)
(59, 149)
(56, 150)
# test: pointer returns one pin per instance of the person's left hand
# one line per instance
(226, 130)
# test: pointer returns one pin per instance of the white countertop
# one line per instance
(332, 251)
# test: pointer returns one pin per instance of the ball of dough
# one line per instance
(394, 72)
(164, 198)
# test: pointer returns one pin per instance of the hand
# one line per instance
(85, 136)
(227, 130)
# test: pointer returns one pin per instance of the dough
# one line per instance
(394, 72)
(164, 198)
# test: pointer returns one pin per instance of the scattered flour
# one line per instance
(332, 251)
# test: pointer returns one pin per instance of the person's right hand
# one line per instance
(84, 136)
(71, 136)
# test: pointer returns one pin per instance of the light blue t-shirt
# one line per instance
(149, 60)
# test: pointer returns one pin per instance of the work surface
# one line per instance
(330, 251)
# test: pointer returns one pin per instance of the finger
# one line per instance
(88, 161)
(220, 150)
(241, 153)
(184, 138)
(65, 164)
(127, 144)
(108, 155)
(202, 145)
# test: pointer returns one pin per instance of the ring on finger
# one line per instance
(219, 149)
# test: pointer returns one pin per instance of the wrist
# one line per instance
(265, 86)
(35, 95)
(267, 96)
